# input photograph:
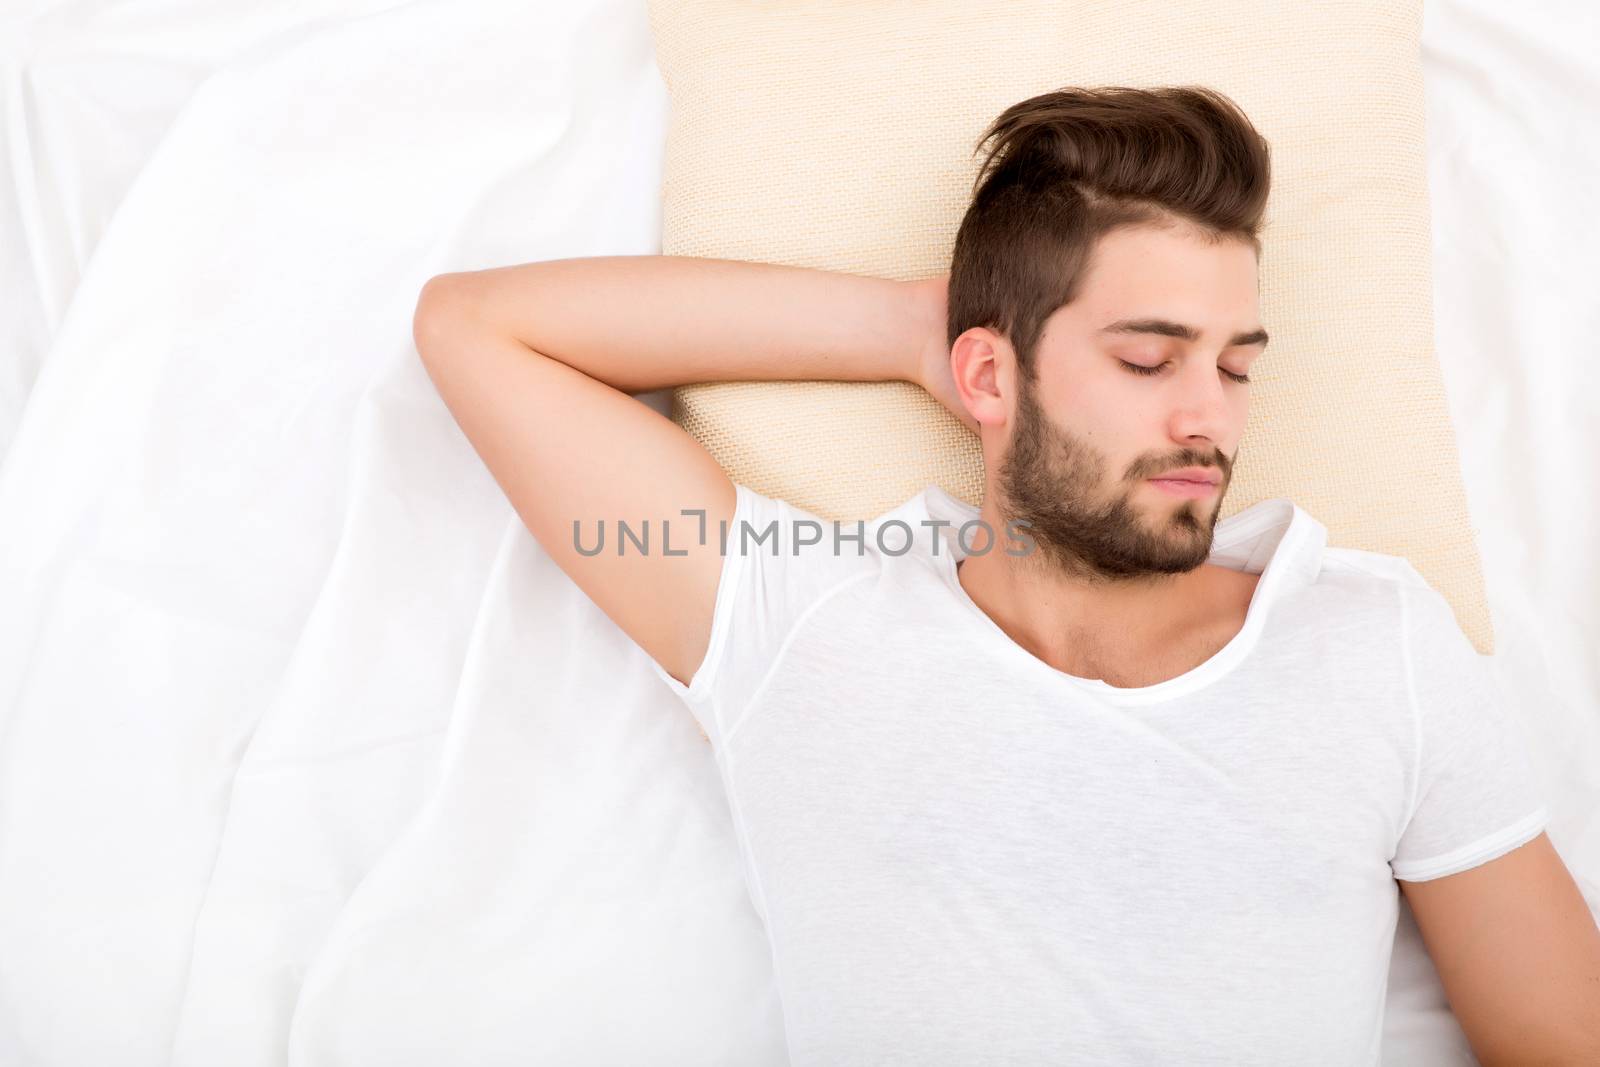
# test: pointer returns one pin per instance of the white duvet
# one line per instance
(308, 753)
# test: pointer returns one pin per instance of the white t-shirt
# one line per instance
(963, 855)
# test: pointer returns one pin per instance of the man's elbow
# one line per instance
(442, 305)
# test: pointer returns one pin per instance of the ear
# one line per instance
(984, 367)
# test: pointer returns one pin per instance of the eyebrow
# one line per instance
(1167, 328)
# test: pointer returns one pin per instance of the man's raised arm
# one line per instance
(535, 362)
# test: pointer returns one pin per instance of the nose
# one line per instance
(1205, 411)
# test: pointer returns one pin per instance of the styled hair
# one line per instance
(1067, 167)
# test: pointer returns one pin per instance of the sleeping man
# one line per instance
(1082, 775)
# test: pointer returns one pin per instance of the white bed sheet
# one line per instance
(308, 753)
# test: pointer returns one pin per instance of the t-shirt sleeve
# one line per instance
(1474, 795)
(778, 562)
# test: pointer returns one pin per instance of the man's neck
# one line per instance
(1068, 620)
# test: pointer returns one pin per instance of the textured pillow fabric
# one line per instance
(841, 135)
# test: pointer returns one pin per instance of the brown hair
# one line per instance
(1067, 167)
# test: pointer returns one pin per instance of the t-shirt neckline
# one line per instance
(1243, 526)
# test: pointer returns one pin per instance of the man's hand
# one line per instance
(933, 370)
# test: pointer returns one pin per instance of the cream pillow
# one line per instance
(841, 135)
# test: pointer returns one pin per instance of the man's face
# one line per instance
(1088, 438)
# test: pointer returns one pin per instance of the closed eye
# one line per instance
(1137, 368)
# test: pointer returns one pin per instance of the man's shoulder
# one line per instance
(1380, 594)
(1378, 569)
(777, 525)
(797, 550)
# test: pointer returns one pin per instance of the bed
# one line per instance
(308, 754)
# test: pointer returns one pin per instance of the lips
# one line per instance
(1197, 475)
(1180, 487)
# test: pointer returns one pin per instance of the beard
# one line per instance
(1087, 527)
